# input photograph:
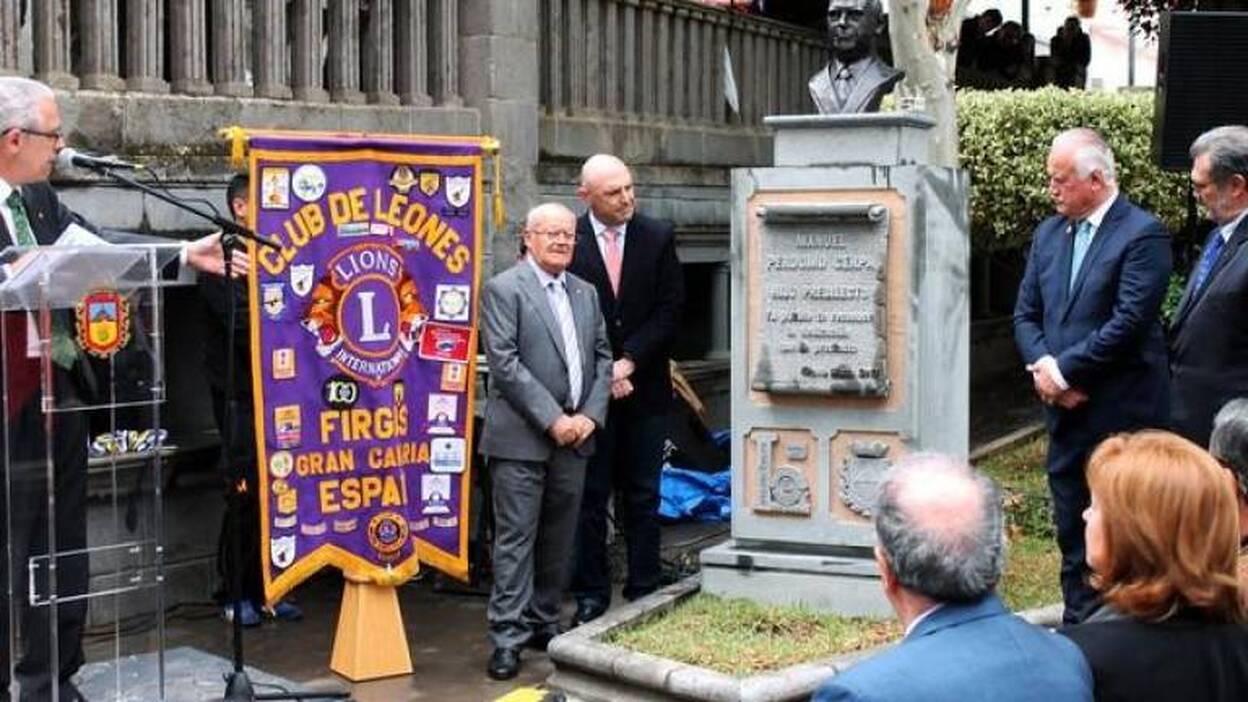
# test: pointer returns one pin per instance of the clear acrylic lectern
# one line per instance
(83, 563)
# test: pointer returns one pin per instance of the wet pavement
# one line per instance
(445, 625)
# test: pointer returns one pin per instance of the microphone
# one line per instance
(67, 157)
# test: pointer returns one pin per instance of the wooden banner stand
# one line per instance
(370, 642)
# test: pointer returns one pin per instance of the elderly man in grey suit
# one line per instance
(550, 381)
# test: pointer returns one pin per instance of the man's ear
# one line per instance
(1238, 182)
(582, 192)
(12, 138)
(886, 572)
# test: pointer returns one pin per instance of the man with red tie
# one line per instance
(631, 260)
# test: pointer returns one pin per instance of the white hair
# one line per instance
(546, 211)
(19, 102)
(1090, 153)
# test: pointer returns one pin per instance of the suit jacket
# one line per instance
(528, 366)
(968, 652)
(870, 86)
(642, 321)
(1105, 333)
(1181, 658)
(1209, 342)
(49, 217)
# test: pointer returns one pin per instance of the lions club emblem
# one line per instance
(103, 322)
(365, 314)
(387, 534)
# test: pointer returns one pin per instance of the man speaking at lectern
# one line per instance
(30, 215)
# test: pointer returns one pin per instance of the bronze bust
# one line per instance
(855, 79)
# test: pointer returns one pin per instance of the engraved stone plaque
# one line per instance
(823, 322)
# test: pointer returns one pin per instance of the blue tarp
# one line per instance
(696, 496)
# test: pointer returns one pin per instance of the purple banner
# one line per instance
(364, 336)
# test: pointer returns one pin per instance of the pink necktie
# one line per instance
(614, 258)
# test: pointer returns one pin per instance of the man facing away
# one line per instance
(31, 214)
(550, 374)
(1087, 324)
(1208, 337)
(631, 260)
(940, 550)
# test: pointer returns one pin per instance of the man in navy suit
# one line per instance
(1087, 325)
(1208, 339)
(940, 549)
(631, 260)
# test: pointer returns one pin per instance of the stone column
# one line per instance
(445, 40)
(97, 41)
(721, 323)
(145, 46)
(10, 38)
(498, 50)
(680, 64)
(51, 42)
(411, 27)
(344, 51)
(269, 39)
(550, 48)
(379, 54)
(188, 48)
(229, 48)
(307, 65)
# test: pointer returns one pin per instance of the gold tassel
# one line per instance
(492, 147)
(237, 136)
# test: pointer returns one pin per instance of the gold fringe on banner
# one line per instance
(494, 148)
(237, 136)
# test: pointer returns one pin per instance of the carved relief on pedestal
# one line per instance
(779, 465)
(859, 462)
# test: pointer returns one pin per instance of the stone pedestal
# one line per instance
(849, 349)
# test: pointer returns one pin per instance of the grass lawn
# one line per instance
(740, 637)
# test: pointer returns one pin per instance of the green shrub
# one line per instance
(1004, 142)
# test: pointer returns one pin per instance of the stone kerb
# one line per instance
(587, 668)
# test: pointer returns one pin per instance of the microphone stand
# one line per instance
(238, 687)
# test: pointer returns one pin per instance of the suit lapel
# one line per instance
(582, 316)
(532, 287)
(1103, 233)
(633, 241)
(821, 85)
(587, 243)
(1192, 299)
(1065, 254)
(863, 85)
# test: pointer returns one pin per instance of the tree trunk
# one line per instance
(927, 50)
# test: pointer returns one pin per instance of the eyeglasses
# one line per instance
(555, 235)
(54, 135)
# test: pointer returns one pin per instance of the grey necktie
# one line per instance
(842, 83)
(567, 328)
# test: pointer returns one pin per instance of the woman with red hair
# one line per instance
(1162, 542)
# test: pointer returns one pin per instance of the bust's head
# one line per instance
(853, 27)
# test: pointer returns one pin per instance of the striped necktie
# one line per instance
(567, 329)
